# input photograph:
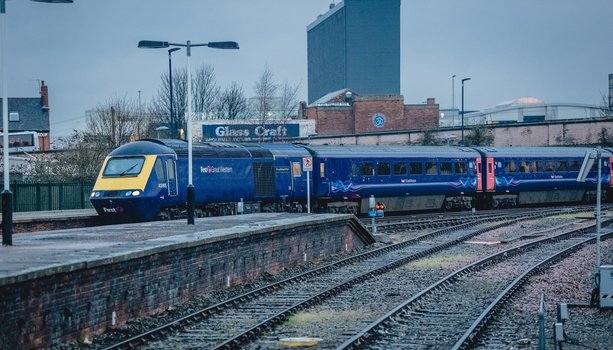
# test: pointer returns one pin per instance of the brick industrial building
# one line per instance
(344, 112)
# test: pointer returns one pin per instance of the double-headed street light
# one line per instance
(7, 195)
(463, 80)
(150, 44)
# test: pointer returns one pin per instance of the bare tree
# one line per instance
(80, 157)
(116, 121)
(159, 110)
(265, 90)
(288, 101)
(232, 103)
(205, 92)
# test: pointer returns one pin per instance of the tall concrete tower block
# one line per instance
(355, 45)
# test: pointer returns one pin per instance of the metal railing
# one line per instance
(43, 196)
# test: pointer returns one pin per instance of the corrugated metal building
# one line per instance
(355, 45)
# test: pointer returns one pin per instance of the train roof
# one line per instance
(209, 149)
(537, 151)
(358, 151)
(141, 147)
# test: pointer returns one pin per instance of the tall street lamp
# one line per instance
(463, 80)
(7, 195)
(173, 122)
(150, 44)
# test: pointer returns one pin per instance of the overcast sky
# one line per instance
(556, 50)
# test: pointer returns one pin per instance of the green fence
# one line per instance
(39, 196)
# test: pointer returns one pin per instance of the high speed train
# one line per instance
(147, 179)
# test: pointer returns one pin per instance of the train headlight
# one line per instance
(95, 194)
(128, 193)
(136, 193)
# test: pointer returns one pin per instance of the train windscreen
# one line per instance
(124, 166)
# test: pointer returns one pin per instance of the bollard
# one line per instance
(190, 204)
(7, 217)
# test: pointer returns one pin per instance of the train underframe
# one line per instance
(392, 204)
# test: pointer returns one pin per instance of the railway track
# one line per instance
(238, 321)
(452, 312)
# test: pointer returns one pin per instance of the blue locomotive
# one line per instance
(147, 179)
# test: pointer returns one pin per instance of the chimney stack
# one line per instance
(44, 95)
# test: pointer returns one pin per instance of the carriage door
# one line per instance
(479, 172)
(171, 175)
(489, 173)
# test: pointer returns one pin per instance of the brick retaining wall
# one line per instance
(85, 298)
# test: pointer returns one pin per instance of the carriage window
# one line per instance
(170, 165)
(533, 167)
(523, 167)
(431, 168)
(445, 168)
(489, 168)
(415, 169)
(322, 169)
(550, 165)
(539, 166)
(367, 169)
(124, 166)
(510, 167)
(562, 166)
(383, 169)
(460, 168)
(296, 169)
(354, 169)
(400, 169)
(159, 170)
(573, 165)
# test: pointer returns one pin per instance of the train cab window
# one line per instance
(296, 169)
(400, 169)
(124, 166)
(550, 166)
(158, 168)
(446, 168)
(415, 168)
(573, 165)
(431, 168)
(367, 169)
(322, 169)
(460, 168)
(523, 167)
(510, 167)
(562, 166)
(383, 169)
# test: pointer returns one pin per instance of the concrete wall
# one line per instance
(533, 134)
(82, 299)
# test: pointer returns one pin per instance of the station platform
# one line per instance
(58, 285)
(37, 254)
(52, 215)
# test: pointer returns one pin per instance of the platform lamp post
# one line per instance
(149, 44)
(463, 80)
(7, 195)
(173, 122)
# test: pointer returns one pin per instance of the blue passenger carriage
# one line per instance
(404, 178)
(537, 175)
